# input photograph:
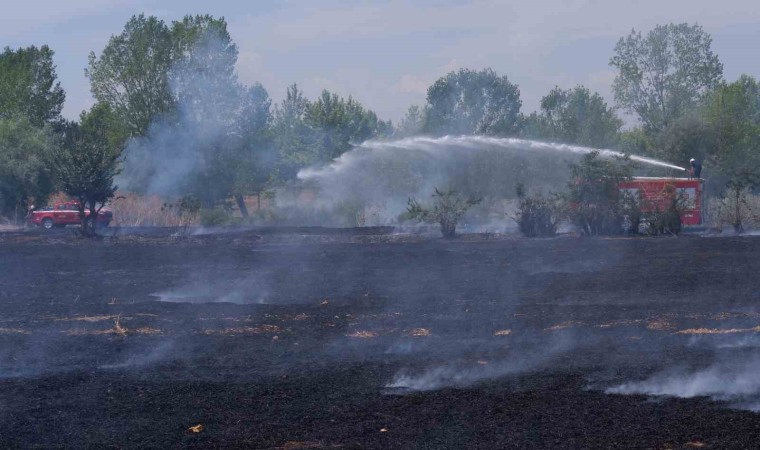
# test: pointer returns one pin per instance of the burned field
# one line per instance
(324, 339)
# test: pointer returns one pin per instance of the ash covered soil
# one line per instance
(365, 339)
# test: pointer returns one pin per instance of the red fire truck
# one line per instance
(657, 193)
(63, 214)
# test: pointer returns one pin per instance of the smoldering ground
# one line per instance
(534, 327)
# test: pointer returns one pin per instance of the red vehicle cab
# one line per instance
(65, 214)
(657, 194)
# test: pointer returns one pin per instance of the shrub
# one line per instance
(537, 216)
(448, 207)
(667, 220)
(736, 208)
(595, 203)
(214, 217)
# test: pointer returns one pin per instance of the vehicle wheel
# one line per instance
(47, 224)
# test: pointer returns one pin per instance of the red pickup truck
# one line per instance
(65, 214)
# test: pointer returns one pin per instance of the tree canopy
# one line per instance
(25, 176)
(88, 161)
(472, 102)
(575, 116)
(29, 86)
(131, 75)
(664, 73)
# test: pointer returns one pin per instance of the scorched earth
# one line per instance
(318, 338)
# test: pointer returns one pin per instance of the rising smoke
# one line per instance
(732, 379)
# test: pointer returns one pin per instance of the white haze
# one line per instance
(382, 175)
(734, 380)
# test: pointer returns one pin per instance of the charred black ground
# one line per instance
(319, 338)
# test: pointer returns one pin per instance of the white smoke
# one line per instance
(735, 381)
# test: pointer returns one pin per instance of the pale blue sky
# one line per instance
(386, 53)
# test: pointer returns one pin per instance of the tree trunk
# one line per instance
(241, 205)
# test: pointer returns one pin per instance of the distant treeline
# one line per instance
(171, 116)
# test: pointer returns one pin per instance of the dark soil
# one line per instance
(273, 339)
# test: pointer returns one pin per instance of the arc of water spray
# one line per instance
(422, 143)
(433, 145)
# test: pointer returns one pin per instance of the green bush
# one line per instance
(666, 220)
(215, 217)
(595, 203)
(448, 207)
(537, 216)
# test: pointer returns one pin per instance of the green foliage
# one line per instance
(204, 83)
(306, 133)
(667, 220)
(254, 168)
(131, 75)
(575, 116)
(25, 178)
(448, 207)
(537, 216)
(294, 139)
(595, 203)
(88, 160)
(733, 115)
(412, 123)
(28, 86)
(341, 123)
(142, 73)
(665, 73)
(470, 102)
(214, 217)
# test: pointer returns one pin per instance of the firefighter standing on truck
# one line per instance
(695, 168)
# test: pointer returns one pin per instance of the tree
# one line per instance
(595, 203)
(412, 123)
(131, 75)
(448, 207)
(88, 161)
(579, 117)
(733, 113)
(470, 102)
(340, 123)
(25, 178)
(29, 86)
(294, 139)
(255, 166)
(203, 79)
(663, 74)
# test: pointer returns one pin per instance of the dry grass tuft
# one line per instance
(13, 331)
(619, 323)
(719, 330)
(101, 318)
(660, 325)
(563, 325)
(362, 334)
(117, 330)
(506, 332)
(294, 445)
(261, 329)
(420, 332)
